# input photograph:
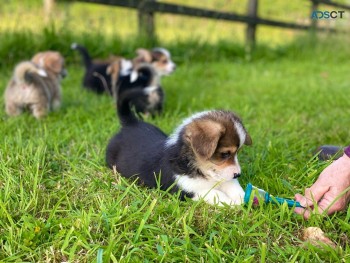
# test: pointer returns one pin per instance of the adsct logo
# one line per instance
(327, 14)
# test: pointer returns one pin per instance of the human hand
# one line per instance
(332, 184)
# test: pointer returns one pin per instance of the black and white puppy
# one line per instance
(96, 77)
(102, 76)
(199, 158)
(143, 77)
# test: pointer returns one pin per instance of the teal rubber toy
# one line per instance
(266, 197)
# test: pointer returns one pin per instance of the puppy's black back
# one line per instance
(91, 80)
(137, 150)
(94, 82)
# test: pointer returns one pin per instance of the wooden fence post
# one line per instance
(48, 9)
(146, 21)
(251, 28)
(314, 7)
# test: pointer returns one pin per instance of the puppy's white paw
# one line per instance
(233, 190)
(216, 197)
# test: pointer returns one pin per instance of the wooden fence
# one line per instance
(147, 9)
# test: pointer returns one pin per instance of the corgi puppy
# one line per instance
(54, 65)
(35, 87)
(160, 59)
(145, 77)
(111, 69)
(95, 76)
(199, 159)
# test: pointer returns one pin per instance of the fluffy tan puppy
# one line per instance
(26, 90)
(35, 85)
(53, 63)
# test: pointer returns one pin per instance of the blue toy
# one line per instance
(266, 197)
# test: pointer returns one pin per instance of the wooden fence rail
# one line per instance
(147, 9)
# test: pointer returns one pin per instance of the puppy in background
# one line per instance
(103, 76)
(27, 89)
(199, 158)
(96, 77)
(143, 77)
(53, 63)
(35, 85)
(159, 58)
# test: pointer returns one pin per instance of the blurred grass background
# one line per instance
(111, 21)
(107, 30)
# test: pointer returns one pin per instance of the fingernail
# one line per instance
(303, 202)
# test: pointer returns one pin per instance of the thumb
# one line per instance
(313, 195)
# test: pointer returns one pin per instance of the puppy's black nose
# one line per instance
(236, 175)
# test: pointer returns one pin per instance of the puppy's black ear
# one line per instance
(203, 136)
(248, 140)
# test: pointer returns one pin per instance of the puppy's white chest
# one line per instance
(152, 96)
(228, 192)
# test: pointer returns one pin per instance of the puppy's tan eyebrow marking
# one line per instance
(226, 149)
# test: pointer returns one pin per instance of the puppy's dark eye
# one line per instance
(225, 155)
(164, 61)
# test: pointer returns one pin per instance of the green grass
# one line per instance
(59, 202)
